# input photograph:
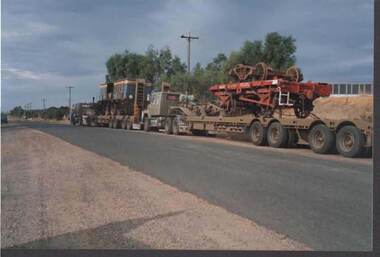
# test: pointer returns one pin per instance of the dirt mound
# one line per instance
(351, 107)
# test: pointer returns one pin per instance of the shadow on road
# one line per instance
(109, 236)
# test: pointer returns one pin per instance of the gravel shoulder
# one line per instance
(57, 195)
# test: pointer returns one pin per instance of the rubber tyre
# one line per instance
(258, 134)
(292, 139)
(321, 139)
(175, 127)
(200, 133)
(146, 124)
(93, 123)
(116, 124)
(123, 124)
(277, 135)
(129, 124)
(169, 126)
(350, 141)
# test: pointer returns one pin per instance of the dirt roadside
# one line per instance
(57, 195)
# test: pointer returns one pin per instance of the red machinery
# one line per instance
(270, 91)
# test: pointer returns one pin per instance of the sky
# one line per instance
(47, 45)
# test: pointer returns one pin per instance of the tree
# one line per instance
(215, 71)
(251, 53)
(18, 111)
(279, 51)
(233, 59)
(151, 65)
(165, 60)
(157, 66)
(115, 66)
(178, 66)
(217, 63)
(57, 113)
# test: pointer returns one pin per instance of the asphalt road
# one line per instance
(326, 204)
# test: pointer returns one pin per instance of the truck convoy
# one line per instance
(273, 108)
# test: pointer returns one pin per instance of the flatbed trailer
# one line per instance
(349, 137)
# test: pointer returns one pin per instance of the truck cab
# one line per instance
(161, 102)
(157, 114)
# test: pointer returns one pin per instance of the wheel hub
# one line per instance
(275, 134)
(348, 141)
(319, 140)
(255, 134)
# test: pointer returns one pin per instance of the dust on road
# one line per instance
(57, 195)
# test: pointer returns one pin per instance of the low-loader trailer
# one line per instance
(350, 138)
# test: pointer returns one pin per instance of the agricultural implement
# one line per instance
(262, 90)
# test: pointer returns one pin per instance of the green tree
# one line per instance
(165, 60)
(178, 66)
(279, 51)
(160, 65)
(115, 66)
(151, 65)
(17, 111)
(215, 72)
(251, 53)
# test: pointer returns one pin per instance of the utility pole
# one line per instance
(42, 115)
(189, 38)
(28, 110)
(69, 87)
(43, 103)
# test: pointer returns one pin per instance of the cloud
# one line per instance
(29, 29)
(13, 73)
(47, 44)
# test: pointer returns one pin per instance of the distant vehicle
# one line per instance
(4, 118)
(82, 114)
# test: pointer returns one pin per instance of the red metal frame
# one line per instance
(262, 92)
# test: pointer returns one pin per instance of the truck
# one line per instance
(132, 104)
(164, 108)
(257, 101)
(350, 137)
(121, 103)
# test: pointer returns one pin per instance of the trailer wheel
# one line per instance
(198, 132)
(175, 127)
(321, 139)
(124, 124)
(93, 123)
(258, 134)
(277, 135)
(292, 138)
(146, 124)
(350, 141)
(168, 126)
(117, 124)
(129, 124)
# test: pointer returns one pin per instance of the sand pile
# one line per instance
(352, 107)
